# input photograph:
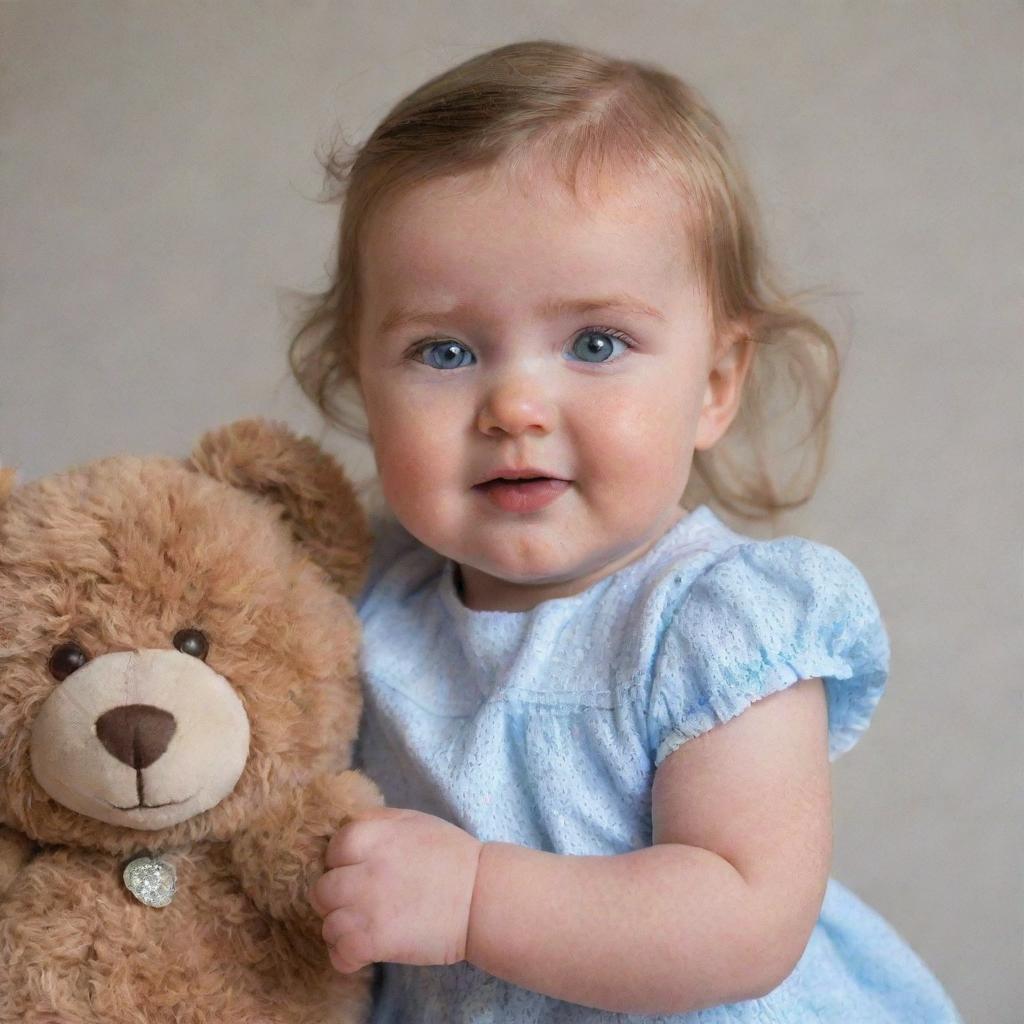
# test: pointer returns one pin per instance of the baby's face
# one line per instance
(503, 369)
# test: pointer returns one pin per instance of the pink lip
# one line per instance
(525, 496)
(509, 473)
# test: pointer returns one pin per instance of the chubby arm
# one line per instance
(282, 853)
(15, 853)
(718, 910)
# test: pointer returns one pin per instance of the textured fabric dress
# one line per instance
(544, 728)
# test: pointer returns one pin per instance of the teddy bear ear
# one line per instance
(308, 485)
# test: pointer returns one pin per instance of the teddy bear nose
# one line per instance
(136, 734)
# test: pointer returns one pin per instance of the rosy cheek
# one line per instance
(403, 459)
(624, 429)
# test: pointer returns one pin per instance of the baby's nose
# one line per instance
(516, 406)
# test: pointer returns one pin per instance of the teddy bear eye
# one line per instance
(193, 642)
(65, 659)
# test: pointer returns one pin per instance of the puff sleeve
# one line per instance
(763, 615)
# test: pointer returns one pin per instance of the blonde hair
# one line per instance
(582, 109)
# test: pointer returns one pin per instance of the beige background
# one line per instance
(158, 177)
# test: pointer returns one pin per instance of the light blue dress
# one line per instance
(544, 728)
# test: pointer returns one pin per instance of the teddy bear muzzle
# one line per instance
(144, 739)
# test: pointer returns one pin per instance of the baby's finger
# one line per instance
(333, 889)
(318, 897)
(346, 846)
(347, 934)
(341, 922)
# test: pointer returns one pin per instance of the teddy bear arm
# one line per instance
(281, 855)
(15, 853)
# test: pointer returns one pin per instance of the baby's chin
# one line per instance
(541, 567)
(499, 585)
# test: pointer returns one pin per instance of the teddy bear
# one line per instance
(179, 702)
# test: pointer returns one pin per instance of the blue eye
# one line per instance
(598, 345)
(594, 345)
(446, 355)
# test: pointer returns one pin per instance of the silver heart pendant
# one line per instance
(151, 881)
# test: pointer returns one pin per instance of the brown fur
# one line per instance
(256, 540)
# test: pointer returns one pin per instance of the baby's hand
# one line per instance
(398, 888)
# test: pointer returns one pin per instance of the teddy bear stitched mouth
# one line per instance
(140, 806)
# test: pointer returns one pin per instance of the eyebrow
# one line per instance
(400, 316)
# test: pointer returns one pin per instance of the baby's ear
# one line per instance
(309, 487)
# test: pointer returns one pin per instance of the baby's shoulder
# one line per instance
(745, 616)
(717, 571)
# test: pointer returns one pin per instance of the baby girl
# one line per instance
(602, 719)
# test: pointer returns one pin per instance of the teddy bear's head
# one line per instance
(177, 644)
